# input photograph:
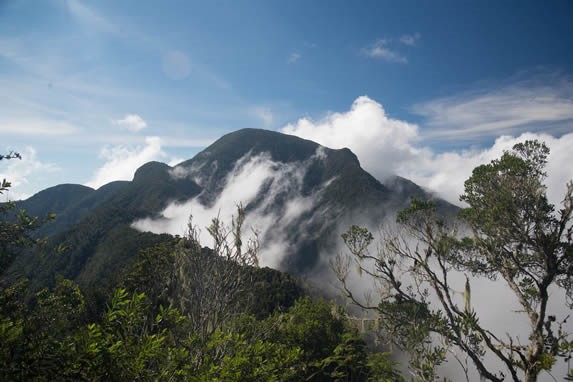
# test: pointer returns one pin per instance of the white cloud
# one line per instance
(131, 122)
(380, 142)
(294, 57)
(445, 172)
(511, 109)
(37, 127)
(21, 172)
(380, 49)
(410, 39)
(122, 161)
(243, 185)
(176, 65)
(388, 146)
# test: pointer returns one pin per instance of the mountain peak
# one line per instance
(151, 170)
(297, 194)
(282, 147)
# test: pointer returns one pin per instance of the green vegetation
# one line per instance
(138, 338)
(182, 312)
(517, 237)
(115, 304)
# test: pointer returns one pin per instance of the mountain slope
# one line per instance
(302, 194)
(297, 194)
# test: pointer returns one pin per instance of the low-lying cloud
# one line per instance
(255, 181)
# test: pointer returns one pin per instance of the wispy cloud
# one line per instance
(380, 49)
(131, 122)
(410, 39)
(527, 105)
(294, 58)
(37, 127)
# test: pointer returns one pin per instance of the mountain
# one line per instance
(299, 196)
(329, 186)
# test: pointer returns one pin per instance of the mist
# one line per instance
(496, 306)
(270, 191)
(276, 204)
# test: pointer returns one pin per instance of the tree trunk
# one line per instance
(531, 376)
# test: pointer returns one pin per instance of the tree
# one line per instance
(16, 227)
(516, 236)
(212, 286)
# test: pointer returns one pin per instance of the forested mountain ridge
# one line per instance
(95, 226)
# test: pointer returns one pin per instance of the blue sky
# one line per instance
(89, 90)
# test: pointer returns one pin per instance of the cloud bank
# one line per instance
(380, 142)
(387, 146)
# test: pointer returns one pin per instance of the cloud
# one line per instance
(131, 122)
(445, 172)
(37, 127)
(271, 212)
(176, 65)
(294, 57)
(380, 49)
(122, 161)
(387, 146)
(530, 105)
(380, 142)
(264, 114)
(21, 172)
(410, 39)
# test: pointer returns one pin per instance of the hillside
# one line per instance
(305, 195)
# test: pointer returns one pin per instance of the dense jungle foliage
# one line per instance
(180, 312)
